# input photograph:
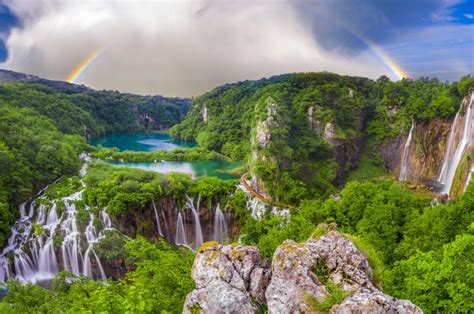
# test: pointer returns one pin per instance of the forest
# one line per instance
(419, 250)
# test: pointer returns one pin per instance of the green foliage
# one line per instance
(398, 103)
(37, 229)
(147, 289)
(270, 232)
(367, 169)
(112, 247)
(336, 296)
(124, 190)
(437, 281)
(178, 154)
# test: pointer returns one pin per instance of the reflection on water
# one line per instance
(151, 142)
(147, 142)
(196, 169)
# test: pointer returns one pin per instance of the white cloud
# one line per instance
(175, 47)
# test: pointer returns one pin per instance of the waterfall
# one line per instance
(105, 219)
(72, 257)
(180, 238)
(198, 238)
(454, 155)
(220, 226)
(92, 238)
(33, 255)
(157, 218)
(468, 180)
(406, 154)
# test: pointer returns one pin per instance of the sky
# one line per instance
(187, 47)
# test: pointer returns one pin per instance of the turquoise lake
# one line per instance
(156, 142)
(144, 142)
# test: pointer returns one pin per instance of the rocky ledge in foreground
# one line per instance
(325, 274)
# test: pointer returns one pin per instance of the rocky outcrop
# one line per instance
(268, 120)
(374, 303)
(205, 114)
(303, 275)
(228, 279)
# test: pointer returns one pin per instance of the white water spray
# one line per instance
(454, 154)
(221, 231)
(406, 154)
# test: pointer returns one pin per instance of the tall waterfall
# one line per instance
(221, 231)
(198, 239)
(454, 154)
(406, 154)
(180, 238)
(157, 218)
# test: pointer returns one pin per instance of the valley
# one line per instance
(102, 209)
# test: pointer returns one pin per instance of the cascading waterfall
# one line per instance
(31, 257)
(406, 154)
(454, 154)
(180, 238)
(198, 238)
(221, 231)
(92, 237)
(157, 218)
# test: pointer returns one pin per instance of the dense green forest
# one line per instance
(418, 250)
(302, 163)
(44, 129)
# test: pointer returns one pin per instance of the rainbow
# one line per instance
(386, 59)
(81, 67)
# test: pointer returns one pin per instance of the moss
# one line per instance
(212, 257)
(194, 309)
(37, 229)
(207, 245)
(294, 247)
(460, 177)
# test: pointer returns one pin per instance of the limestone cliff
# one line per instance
(438, 146)
(304, 276)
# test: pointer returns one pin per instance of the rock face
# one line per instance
(228, 278)
(302, 275)
(426, 151)
(205, 114)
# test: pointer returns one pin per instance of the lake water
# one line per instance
(156, 142)
(212, 168)
(145, 142)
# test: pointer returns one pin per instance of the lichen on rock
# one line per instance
(229, 278)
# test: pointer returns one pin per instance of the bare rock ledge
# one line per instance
(235, 279)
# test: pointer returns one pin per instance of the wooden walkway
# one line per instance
(258, 195)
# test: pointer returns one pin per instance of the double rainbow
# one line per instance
(384, 57)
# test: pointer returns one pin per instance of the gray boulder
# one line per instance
(229, 279)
